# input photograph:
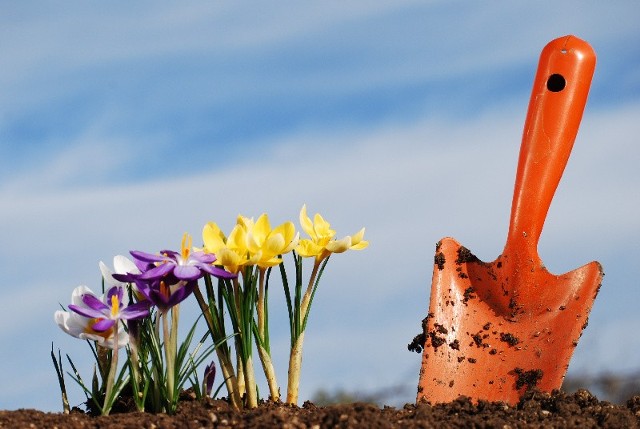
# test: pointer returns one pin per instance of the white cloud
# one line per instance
(355, 46)
(75, 165)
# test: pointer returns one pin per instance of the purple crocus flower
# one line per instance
(209, 377)
(108, 312)
(166, 292)
(186, 265)
(168, 278)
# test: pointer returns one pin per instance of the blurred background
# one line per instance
(124, 125)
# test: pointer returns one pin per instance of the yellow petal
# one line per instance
(292, 244)
(262, 227)
(305, 222)
(322, 227)
(358, 242)
(287, 230)
(274, 245)
(357, 237)
(307, 248)
(237, 240)
(228, 259)
(212, 237)
(257, 235)
(245, 222)
(339, 246)
(361, 245)
(270, 262)
(253, 258)
(290, 238)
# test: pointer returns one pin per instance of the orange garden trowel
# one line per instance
(495, 330)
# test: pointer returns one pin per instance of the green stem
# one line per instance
(169, 355)
(230, 379)
(239, 331)
(297, 338)
(157, 369)
(262, 339)
(175, 317)
(241, 379)
(304, 305)
(250, 383)
(135, 369)
(108, 402)
(260, 308)
(269, 372)
(236, 296)
(247, 307)
(222, 351)
(295, 366)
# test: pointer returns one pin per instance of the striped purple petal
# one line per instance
(135, 311)
(157, 272)
(85, 311)
(205, 258)
(127, 278)
(94, 303)
(158, 295)
(143, 265)
(143, 287)
(147, 257)
(183, 292)
(218, 272)
(115, 290)
(170, 254)
(187, 272)
(103, 324)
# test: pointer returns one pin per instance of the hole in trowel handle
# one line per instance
(556, 83)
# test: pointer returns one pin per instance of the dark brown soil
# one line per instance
(535, 410)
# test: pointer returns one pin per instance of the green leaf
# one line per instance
(313, 292)
(57, 363)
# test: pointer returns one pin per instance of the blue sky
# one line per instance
(123, 126)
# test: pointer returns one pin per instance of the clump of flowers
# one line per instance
(100, 320)
(320, 245)
(139, 313)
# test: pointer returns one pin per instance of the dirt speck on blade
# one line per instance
(465, 256)
(419, 341)
(510, 339)
(439, 260)
(528, 378)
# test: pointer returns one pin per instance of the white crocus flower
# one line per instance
(121, 265)
(81, 327)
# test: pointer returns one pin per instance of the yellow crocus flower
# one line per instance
(231, 252)
(321, 242)
(267, 243)
(350, 242)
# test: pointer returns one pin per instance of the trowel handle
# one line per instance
(557, 102)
